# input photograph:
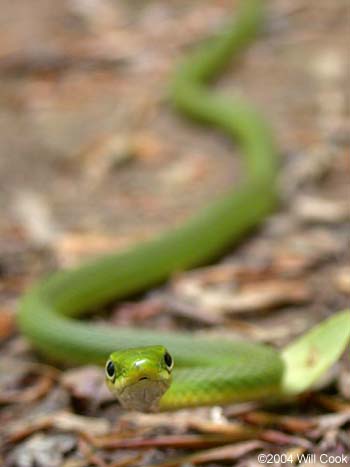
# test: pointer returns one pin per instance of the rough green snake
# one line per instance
(206, 371)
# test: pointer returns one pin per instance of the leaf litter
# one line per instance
(91, 129)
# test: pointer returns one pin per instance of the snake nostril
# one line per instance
(142, 378)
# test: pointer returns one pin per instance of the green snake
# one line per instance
(139, 370)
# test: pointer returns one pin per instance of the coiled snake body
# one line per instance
(206, 371)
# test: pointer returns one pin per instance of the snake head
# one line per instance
(139, 377)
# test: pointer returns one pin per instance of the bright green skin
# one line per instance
(140, 376)
(207, 372)
(211, 372)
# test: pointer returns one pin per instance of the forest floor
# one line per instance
(94, 159)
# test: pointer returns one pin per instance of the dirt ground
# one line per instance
(94, 159)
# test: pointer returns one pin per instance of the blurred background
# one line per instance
(93, 159)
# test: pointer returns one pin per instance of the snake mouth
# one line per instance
(144, 394)
(144, 382)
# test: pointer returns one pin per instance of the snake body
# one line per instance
(206, 371)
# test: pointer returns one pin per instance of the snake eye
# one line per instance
(110, 369)
(168, 360)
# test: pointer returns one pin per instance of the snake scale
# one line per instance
(207, 371)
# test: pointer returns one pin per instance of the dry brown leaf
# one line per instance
(328, 423)
(342, 279)
(281, 439)
(71, 248)
(177, 307)
(7, 323)
(147, 147)
(87, 383)
(288, 423)
(312, 209)
(186, 441)
(133, 312)
(235, 430)
(61, 420)
(250, 298)
(270, 295)
(98, 157)
(333, 403)
(25, 382)
(225, 453)
(42, 450)
(66, 421)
